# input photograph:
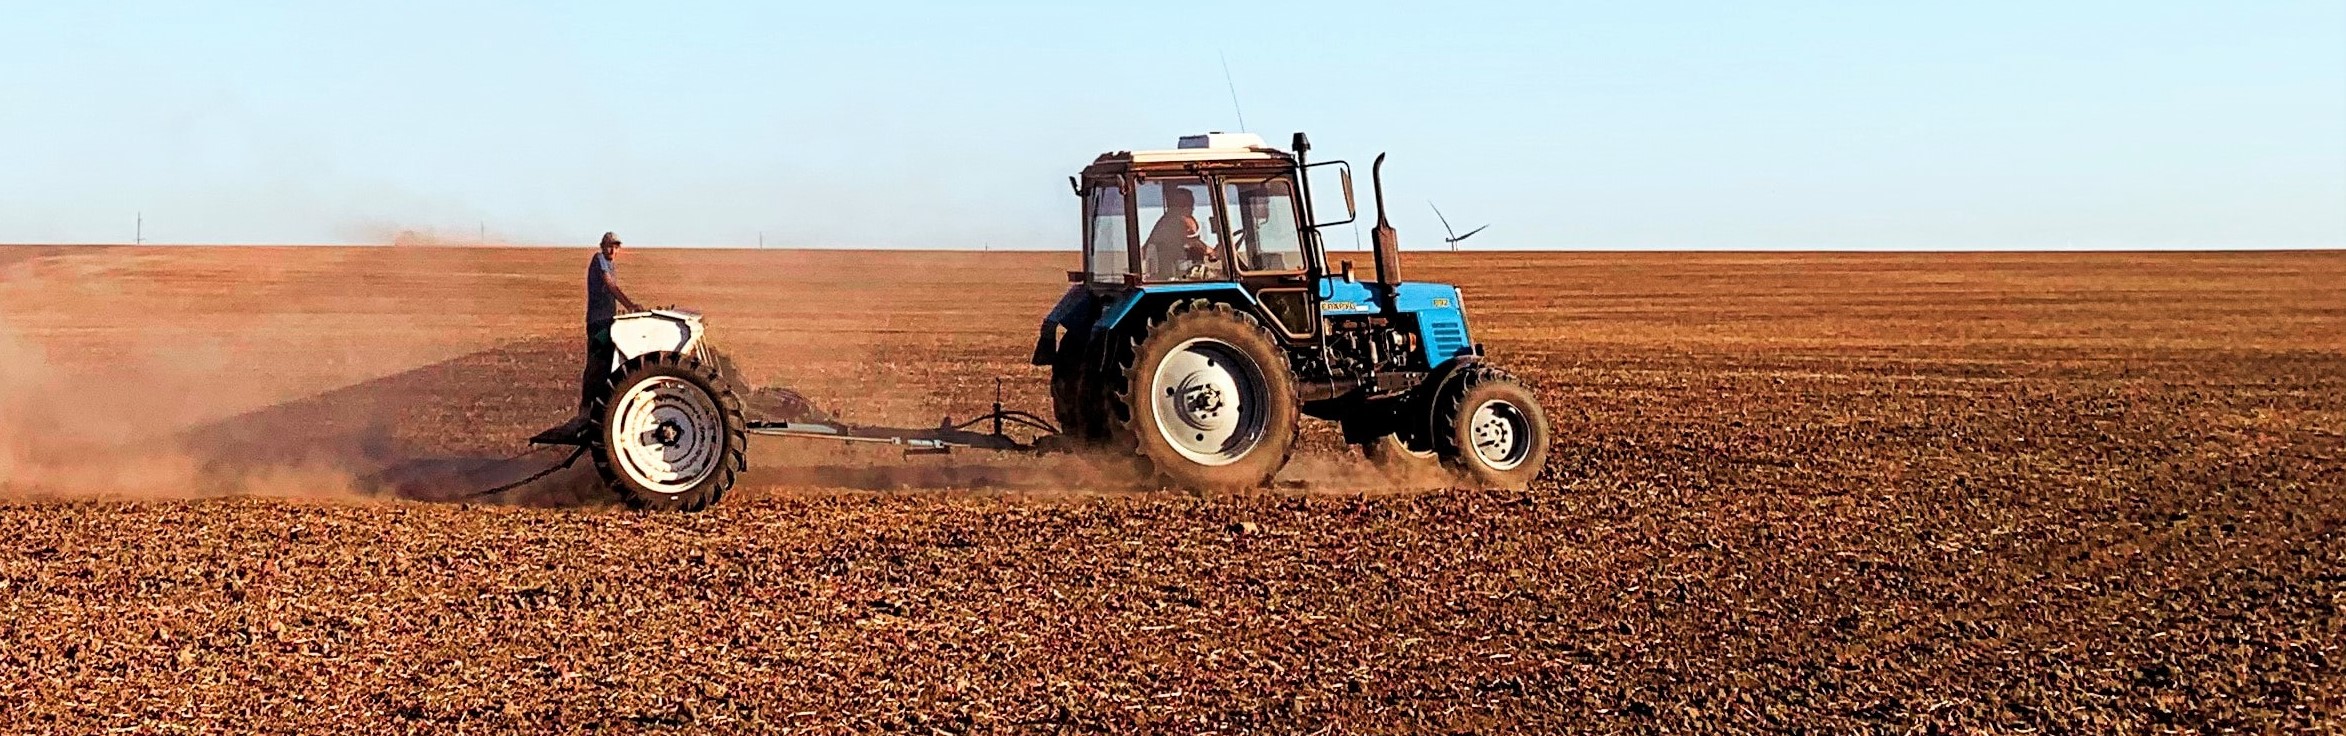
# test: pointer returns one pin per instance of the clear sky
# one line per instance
(1778, 124)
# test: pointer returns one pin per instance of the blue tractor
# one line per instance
(1205, 324)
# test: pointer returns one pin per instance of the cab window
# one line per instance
(1105, 232)
(1179, 226)
(1264, 233)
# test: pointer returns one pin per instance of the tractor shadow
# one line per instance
(438, 433)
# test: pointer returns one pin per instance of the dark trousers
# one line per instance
(595, 383)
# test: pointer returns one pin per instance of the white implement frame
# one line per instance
(637, 334)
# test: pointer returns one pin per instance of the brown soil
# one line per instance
(1856, 492)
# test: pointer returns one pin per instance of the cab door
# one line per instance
(1267, 250)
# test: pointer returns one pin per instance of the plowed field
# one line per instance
(1831, 492)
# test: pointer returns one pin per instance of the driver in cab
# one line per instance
(1178, 232)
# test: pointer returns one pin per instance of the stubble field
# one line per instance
(1834, 492)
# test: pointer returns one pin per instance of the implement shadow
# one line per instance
(446, 431)
(440, 432)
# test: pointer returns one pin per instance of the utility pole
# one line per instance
(761, 240)
(484, 240)
(139, 231)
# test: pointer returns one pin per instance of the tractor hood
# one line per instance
(1341, 297)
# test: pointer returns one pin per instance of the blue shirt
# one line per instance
(601, 306)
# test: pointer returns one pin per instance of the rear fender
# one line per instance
(1129, 313)
(1138, 305)
(1076, 311)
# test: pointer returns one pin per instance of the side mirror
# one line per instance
(1344, 182)
(1350, 210)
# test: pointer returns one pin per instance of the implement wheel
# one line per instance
(671, 434)
(1206, 400)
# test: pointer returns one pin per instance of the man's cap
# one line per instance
(610, 239)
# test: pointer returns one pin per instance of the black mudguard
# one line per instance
(1075, 311)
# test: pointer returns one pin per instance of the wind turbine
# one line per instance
(1454, 238)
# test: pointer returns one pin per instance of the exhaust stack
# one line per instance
(1387, 245)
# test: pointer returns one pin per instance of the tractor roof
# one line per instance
(1232, 147)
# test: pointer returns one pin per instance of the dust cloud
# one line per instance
(428, 236)
(67, 434)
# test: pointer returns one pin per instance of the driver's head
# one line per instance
(1178, 198)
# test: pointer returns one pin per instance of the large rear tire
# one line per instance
(1490, 428)
(670, 436)
(1206, 400)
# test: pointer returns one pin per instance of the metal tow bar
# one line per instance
(938, 440)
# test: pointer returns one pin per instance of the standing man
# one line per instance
(603, 298)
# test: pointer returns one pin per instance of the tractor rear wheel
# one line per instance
(1490, 427)
(671, 434)
(1206, 400)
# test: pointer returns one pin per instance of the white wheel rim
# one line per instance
(1501, 435)
(1209, 401)
(667, 435)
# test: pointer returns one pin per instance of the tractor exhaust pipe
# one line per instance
(1387, 245)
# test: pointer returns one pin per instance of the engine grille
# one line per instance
(1445, 338)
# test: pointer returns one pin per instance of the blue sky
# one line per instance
(2080, 124)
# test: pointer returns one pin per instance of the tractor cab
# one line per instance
(1220, 208)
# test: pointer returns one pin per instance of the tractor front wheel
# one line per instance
(1206, 400)
(671, 435)
(1490, 427)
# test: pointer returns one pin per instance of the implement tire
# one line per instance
(670, 433)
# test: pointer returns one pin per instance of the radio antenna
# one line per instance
(1226, 79)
